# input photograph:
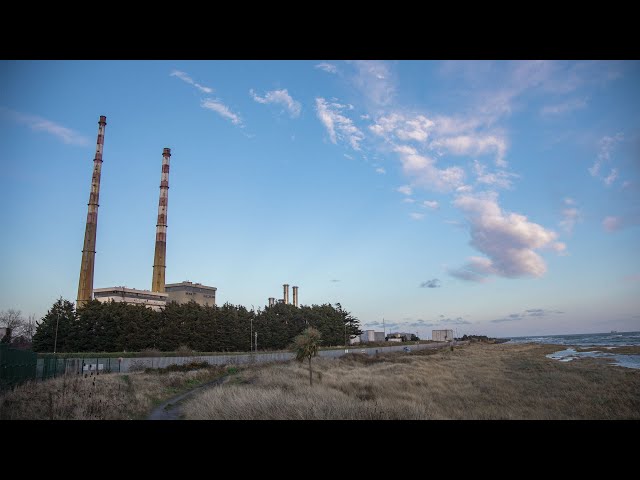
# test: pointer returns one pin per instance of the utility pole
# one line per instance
(251, 336)
(256, 342)
(345, 337)
(55, 342)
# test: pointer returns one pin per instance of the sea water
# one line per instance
(604, 341)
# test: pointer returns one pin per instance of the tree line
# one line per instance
(117, 327)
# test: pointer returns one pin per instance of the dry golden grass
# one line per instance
(102, 397)
(476, 382)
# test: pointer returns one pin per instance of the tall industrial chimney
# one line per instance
(285, 297)
(295, 296)
(272, 301)
(159, 259)
(85, 284)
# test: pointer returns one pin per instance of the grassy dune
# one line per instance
(475, 382)
(102, 397)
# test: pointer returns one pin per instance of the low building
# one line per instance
(186, 292)
(442, 335)
(153, 300)
(372, 336)
(394, 339)
(403, 336)
(353, 339)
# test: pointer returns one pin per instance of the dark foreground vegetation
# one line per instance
(118, 327)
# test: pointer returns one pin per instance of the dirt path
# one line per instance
(171, 409)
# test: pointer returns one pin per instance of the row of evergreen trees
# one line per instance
(117, 327)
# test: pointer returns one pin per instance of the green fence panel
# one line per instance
(16, 366)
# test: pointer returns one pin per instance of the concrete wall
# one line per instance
(75, 365)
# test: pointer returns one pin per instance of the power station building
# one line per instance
(153, 300)
(157, 297)
(186, 292)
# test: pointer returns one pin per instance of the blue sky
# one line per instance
(493, 197)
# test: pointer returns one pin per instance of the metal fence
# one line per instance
(50, 367)
(16, 366)
(28, 367)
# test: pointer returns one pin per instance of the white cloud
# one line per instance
(327, 67)
(279, 97)
(374, 79)
(425, 172)
(39, 124)
(569, 201)
(500, 178)
(606, 146)
(474, 144)
(417, 216)
(220, 108)
(452, 135)
(564, 107)
(405, 189)
(338, 126)
(346, 155)
(186, 78)
(402, 127)
(612, 177)
(408, 200)
(381, 170)
(432, 204)
(509, 240)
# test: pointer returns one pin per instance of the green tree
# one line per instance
(306, 347)
(61, 317)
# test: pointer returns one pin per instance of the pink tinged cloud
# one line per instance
(508, 240)
(611, 223)
(424, 172)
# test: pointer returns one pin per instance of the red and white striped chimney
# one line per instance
(159, 259)
(85, 283)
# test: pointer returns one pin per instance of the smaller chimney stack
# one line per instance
(272, 301)
(285, 297)
(295, 296)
